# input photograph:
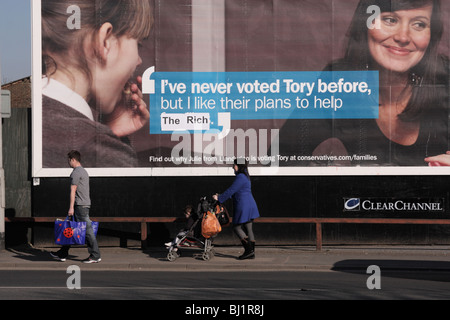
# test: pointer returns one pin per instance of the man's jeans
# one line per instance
(82, 215)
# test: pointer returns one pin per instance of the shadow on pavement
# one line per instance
(29, 253)
(406, 269)
(194, 253)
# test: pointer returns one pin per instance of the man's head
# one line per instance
(74, 158)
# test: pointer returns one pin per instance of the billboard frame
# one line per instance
(38, 171)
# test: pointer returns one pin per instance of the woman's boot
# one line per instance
(248, 253)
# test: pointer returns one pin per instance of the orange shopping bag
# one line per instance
(210, 225)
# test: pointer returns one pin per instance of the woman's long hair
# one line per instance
(428, 79)
(242, 165)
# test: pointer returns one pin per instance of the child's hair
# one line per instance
(128, 17)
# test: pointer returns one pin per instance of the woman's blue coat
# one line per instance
(245, 208)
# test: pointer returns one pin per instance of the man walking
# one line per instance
(80, 203)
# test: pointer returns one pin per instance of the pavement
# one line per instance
(268, 258)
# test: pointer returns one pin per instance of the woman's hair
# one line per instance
(427, 77)
(128, 17)
(242, 165)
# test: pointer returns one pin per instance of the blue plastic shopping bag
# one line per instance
(94, 225)
(70, 232)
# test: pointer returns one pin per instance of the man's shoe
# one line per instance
(56, 256)
(90, 260)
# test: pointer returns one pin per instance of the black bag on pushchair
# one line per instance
(221, 211)
(223, 216)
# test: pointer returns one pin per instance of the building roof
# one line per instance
(20, 92)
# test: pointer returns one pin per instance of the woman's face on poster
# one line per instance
(398, 40)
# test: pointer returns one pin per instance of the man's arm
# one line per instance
(73, 190)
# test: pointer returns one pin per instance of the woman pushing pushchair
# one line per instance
(245, 208)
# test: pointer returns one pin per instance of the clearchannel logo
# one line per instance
(389, 204)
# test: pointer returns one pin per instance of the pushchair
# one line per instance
(192, 237)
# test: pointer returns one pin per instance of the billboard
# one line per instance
(184, 87)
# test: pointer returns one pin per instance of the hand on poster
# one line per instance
(439, 161)
(131, 114)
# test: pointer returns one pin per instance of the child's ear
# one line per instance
(103, 41)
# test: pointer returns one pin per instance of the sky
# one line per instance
(15, 39)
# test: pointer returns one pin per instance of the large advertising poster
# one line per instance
(184, 87)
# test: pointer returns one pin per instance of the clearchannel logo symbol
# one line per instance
(352, 204)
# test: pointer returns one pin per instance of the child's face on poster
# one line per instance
(122, 60)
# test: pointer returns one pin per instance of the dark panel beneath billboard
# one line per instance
(275, 196)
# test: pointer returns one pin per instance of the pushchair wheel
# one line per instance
(207, 255)
(172, 256)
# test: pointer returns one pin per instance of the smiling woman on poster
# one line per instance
(90, 101)
(402, 44)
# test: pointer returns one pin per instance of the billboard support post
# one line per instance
(2, 187)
